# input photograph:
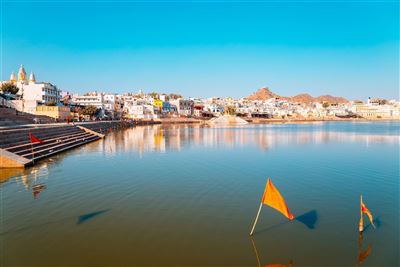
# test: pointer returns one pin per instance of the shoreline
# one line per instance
(142, 122)
(271, 121)
(268, 121)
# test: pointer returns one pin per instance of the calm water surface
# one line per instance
(187, 195)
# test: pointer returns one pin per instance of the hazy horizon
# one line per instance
(203, 49)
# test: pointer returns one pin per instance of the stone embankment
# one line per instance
(12, 117)
(17, 151)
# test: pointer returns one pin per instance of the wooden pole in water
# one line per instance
(361, 224)
(255, 221)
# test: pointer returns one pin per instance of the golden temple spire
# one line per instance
(21, 73)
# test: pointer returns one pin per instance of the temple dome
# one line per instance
(32, 77)
(21, 73)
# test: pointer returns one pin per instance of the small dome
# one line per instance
(13, 78)
(32, 77)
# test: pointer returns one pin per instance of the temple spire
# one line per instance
(21, 73)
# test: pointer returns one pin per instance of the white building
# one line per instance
(135, 110)
(33, 93)
(109, 101)
(90, 99)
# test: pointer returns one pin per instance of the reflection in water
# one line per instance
(37, 189)
(162, 138)
(88, 216)
(25, 176)
(290, 264)
(309, 219)
(268, 265)
(32, 174)
(362, 254)
(5, 174)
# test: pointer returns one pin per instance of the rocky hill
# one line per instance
(265, 94)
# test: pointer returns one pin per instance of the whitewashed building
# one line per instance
(31, 92)
(89, 99)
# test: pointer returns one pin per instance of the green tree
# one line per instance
(89, 110)
(326, 105)
(9, 88)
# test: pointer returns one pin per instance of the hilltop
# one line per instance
(265, 94)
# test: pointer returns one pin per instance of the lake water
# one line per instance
(188, 195)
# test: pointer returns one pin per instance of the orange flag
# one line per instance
(363, 209)
(274, 199)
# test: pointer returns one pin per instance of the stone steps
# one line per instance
(21, 136)
(55, 139)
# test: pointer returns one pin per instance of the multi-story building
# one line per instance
(89, 99)
(32, 93)
(377, 111)
(183, 107)
(134, 110)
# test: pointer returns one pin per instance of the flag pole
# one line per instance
(255, 221)
(361, 224)
(33, 154)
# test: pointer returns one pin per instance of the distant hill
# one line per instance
(265, 94)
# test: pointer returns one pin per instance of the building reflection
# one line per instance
(25, 177)
(162, 138)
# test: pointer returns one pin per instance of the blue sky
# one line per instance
(204, 48)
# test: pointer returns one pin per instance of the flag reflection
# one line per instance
(290, 264)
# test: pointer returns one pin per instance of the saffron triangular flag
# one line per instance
(34, 139)
(366, 211)
(274, 199)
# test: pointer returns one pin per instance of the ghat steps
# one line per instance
(17, 151)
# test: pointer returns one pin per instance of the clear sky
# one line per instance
(205, 48)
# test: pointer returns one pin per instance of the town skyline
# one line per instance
(29, 95)
(13, 75)
(206, 49)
